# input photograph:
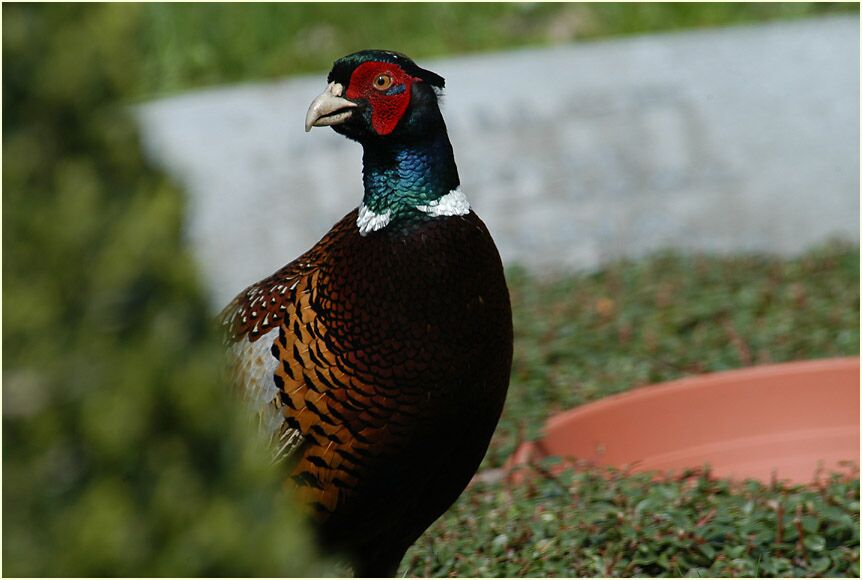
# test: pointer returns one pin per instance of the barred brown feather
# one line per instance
(389, 362)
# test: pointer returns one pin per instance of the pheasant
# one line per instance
(379, 360)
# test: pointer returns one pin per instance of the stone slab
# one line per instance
(728, 140)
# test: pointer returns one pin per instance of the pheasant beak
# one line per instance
(329, 108)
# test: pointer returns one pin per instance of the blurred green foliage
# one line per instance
(187, 45)
(123, 451)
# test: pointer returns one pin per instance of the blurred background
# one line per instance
(693, 207)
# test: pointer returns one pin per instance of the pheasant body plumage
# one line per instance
(379, 359)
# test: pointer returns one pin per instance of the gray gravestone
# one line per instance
(740, 139)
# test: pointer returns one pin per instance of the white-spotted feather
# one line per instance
(253, 366)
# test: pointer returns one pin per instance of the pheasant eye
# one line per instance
(382, 82)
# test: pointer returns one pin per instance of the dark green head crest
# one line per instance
(344, 66)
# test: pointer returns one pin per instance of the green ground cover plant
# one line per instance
(580, 338)
(607, 524)
(633, 323)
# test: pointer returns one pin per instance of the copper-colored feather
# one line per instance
(389, 358)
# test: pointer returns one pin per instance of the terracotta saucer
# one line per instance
(786, 420)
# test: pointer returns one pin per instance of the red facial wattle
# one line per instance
(387, 106)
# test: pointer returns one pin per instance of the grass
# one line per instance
(193, 45)
(580, 338)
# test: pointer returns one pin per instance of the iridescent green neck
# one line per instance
(400, 175)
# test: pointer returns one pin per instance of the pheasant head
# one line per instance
(387, 103)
